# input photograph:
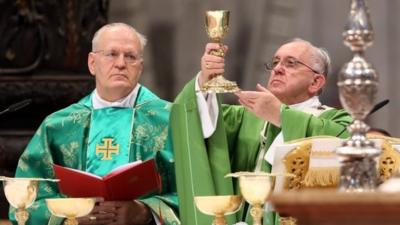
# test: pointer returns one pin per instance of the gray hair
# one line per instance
(141, 37)
(321, 62)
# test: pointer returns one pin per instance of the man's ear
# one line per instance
(317, 84)
(141, 67)
(91, 63)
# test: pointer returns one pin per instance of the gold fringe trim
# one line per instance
(322, 177)
(323, 154)
(311, 138)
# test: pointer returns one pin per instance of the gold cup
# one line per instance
(217, 25)
(218, 206)
(256, 188)
(70, 208)
(20, 193)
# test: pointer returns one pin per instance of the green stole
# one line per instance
(268, 217)
(199, 172)
(110, 129)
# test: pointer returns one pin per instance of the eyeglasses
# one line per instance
(113, 55)
(290, 63)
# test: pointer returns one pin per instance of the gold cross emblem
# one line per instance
(107, 149)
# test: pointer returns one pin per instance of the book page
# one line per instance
(121, 169)
(133, 181)
(72, 170)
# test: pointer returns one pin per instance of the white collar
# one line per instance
(125, 102)
(312, 102)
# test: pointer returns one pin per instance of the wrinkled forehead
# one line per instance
(118, 38)
(298, 50)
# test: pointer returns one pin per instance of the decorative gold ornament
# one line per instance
(389, 161)
(297, 163)
(107, 149)
(287, 221)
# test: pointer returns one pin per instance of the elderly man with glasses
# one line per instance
(120, 109)
(211, 140)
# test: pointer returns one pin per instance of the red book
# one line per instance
(126, 182)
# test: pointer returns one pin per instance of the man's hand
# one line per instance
(211, 65)
(117, 213)
(101, 214)
(262, 103)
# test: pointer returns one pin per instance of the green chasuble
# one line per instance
(201, 164)
(67, 138)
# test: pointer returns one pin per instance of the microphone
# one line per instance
(16, 106)
(376, 107)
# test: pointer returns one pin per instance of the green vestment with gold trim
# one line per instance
(201, 164)
(64, 139)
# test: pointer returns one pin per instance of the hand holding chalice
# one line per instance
(217, 24)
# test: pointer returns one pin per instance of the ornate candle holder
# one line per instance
(357, 83)
(70, 208)
(217, 25)
(218, 206)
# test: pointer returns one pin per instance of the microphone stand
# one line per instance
(16, 106)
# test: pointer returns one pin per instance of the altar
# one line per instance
(330, 207)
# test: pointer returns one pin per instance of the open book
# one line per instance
(126, 182)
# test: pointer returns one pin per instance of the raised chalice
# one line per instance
(218, 206)
(217, 25)
(21, 194)
(70, 208)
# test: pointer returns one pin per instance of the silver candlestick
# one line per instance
(358, 83)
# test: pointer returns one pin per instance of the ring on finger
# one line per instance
(92, 218)
(207, 65)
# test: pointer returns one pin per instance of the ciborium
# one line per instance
(70, 208)
(217, 25)
(21, 194)
(358, 83)
(218, 206)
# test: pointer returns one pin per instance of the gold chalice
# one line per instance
(21, 193)
(217, 25)
(218, 206)
(70, 208)
(256, 188)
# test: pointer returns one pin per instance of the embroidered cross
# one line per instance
(107, 149)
